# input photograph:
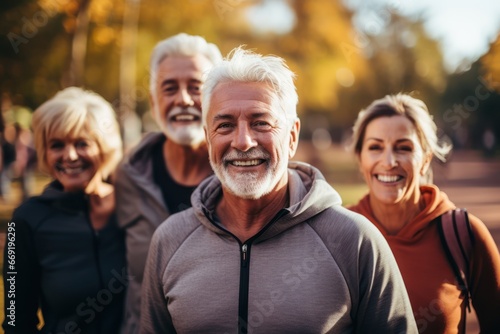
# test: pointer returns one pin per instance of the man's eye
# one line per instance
(224, 126)
(169, 89)
(261, 125)
(195, 89)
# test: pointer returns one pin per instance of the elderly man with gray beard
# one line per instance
(159, 175)
(266, 246)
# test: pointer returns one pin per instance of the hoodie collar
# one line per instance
(436, 203)
(309, 193)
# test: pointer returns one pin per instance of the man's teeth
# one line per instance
(184, 118)
(246, 163)
(388, 178)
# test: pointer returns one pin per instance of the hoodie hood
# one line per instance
(135, 176)
(309, 193)
(134, 164)
(436, 203)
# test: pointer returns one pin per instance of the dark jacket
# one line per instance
(76, 275)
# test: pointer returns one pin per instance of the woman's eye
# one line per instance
(374, 147)
(56, 145)
(405, 148)
(81, 144)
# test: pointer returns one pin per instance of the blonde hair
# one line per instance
(413, 109)
(75, 111)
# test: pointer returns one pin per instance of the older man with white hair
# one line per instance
(267, 246)
(158, 177)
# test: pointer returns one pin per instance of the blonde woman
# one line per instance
(68, 253)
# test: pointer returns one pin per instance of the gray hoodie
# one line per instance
(315, 268)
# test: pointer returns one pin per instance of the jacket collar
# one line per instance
(309, 193)
(54, 195)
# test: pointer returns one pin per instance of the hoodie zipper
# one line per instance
(245, 269)
(244, 288)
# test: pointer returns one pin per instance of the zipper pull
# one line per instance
(244, 249)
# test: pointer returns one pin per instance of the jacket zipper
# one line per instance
(244, 287)
(95, 245)
(245, 275)
(245, 268)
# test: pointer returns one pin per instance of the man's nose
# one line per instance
(243, 139)
(184, 99)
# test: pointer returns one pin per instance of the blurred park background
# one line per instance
(345, 54)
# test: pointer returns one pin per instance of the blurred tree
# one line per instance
(316, 50)
(403, 58)
(491, 65)
(340, 68)
(319, 50)
(471, 107)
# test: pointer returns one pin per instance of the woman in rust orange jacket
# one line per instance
(394, 140)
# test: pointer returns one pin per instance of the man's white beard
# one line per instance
(249, 185)
(185, 135)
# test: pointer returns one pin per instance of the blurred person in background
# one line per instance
(24, 165)
(20, 156)
(157, 178)
(7, 157)
(394, 140)
(69, 253)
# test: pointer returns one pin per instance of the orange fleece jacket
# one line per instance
(428, 276)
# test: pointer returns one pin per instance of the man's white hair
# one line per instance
(246, 66)
(180, 45)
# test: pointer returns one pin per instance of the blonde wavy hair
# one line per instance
(75, 111)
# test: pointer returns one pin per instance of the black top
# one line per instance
(76, 275)
(176, 196)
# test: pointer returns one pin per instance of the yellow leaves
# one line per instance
(103, 35)
(102, 10)
(69, 24)
(69, 7)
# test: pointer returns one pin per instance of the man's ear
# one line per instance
(294, 138)
(426, 164)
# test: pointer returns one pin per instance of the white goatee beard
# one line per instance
(185, 135)
(249, 185)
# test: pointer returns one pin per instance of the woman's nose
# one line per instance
(390, 159)
(70, 153)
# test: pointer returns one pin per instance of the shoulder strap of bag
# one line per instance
(458, 240)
